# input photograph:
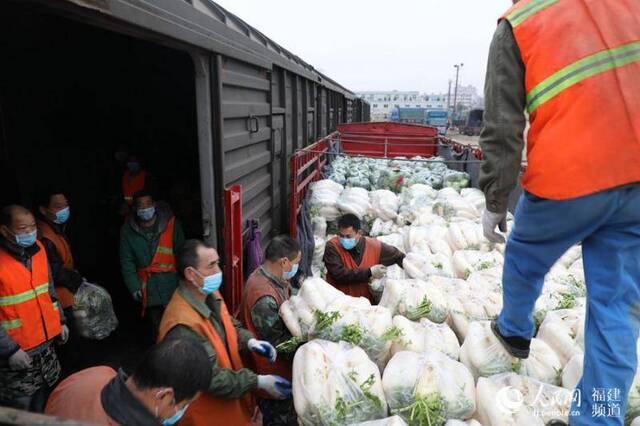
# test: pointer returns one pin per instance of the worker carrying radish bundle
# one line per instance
(574, 66)
(197, 310)
(352, 259)
(266, 290)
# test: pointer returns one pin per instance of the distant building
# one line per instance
(468, 97)
(383, 102)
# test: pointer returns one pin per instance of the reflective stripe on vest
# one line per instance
(24, 296)
(11, 324)
(521, 14)
(581, 70)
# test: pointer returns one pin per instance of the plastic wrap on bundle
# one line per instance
(93, 312)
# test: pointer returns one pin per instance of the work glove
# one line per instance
(64, 334)
(263, 348)
(275, 386)
(378, 271)
(20, 360)
(489, 222)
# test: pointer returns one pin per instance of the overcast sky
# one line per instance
(382, 45)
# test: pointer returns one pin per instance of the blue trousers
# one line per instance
(608, 225)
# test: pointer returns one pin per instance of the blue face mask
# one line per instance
(348, 243)
(26, 240)
(292, 273)
(146, 214)
(211, 283)
(133, 166)
(62, 216)
(176, 417)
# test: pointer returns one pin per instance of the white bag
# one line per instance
(336, 383)
(411, 379)
(425, 336)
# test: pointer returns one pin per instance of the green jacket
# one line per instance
(225, 383)
(137, 248)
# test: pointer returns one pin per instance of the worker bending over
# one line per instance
(353, 259)
(197, 310)
(266, 289)
(148, 243)
(30, 318)
(574, 65)
(169, 377)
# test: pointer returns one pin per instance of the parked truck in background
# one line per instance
(474, 123)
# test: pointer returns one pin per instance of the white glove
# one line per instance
(20, 360)
(264, 348)
(275, 386)
(489, 222)
(64, 334)
(378, 271)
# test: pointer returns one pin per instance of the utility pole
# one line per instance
(455, 96)
(449, 97)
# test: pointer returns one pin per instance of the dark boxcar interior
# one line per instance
(71, 95)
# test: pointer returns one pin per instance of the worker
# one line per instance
(574, 66)
(53, 214)
(148, 243)
(353, 259)
(266, 289)
(134, 179)
(197, 310)
(169, 377)
(30, 320)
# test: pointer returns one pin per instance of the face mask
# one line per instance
(348, 243)
(292, 273)
(176, 417)
(26, 240)
(211, 283)
(133, 166)
(62, 215)
(146, 214)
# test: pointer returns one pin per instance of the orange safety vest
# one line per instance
(163, 260)
(132, 184)
(27, 312)
(258, 286)
(370, 257)
(208, 409)
(78, 397)
(582, 61)
(65, 296)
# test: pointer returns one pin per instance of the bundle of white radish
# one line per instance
(376, 286)
(395, 240)
(317, 265)
(486, 280)
(465, 235)
(572, 371)
(389, 421)
(471, 422)
(475, 197)
(424, 336)
(384, 204)
(465, 262)
(428, 388)
(510, 399)
(319, 225)
(420, 265)
(336, 383)
(450, 204)
(485, 356)
(415, 192)
(559, 330)
(423, 238)
(380, 227)
(324, 198)
(555, 297)
(354, 200)
(415, 299)
(467, 305)
(321, 311)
